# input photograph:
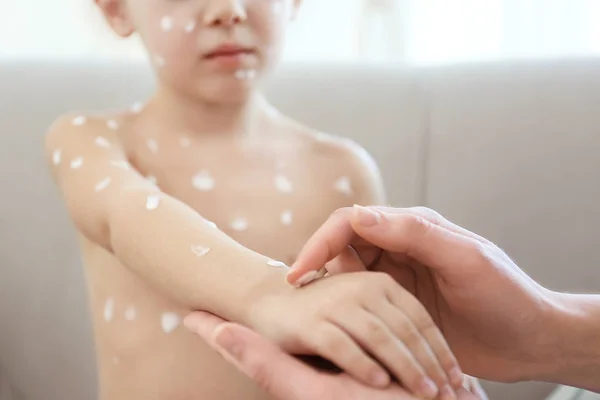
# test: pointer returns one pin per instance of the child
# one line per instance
(208, 142)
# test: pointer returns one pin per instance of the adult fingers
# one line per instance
(203, 324)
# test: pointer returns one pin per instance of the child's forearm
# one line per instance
(186, 257)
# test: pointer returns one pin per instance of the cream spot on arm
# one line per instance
(159, 61)
(56, 156)
(109, 309)
(77, 162)
(103, 184)
(199, 250)
(203, 181)
(276, 264)
(121, 164)
(152, 179)
(152, 145)
(169, 322)
(185, 142)
(152, 201)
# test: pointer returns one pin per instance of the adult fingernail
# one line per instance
(447, 393)
(306, 278)
(429, 389)
(228, 343)
(366, 217)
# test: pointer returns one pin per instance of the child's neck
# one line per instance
(202, 118)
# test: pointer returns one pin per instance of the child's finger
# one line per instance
(374, 336)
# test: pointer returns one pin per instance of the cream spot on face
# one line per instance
(103, 184)
(185, 142)
(203, 181)
(166, 24)
(199, 250)
(56, 157)
(190, 26)
(77, 163)
(152, 201)
(152, 145)
(283, 184)
(130, 313)
(137, 107)
(245, 74)
(109, 309)
(276, 264)
(239, 224)
(159, 61)
(112, 125)
(78, 121)
(169, 322)
(102, 142)
(121, 164)
(343, 186)
(286, 217)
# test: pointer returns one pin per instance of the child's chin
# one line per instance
(224, 90)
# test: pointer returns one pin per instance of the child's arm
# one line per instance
(159, 238)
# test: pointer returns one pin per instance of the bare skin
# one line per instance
(137, 358)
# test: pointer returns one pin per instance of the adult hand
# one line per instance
(492, 314)
(282, 375)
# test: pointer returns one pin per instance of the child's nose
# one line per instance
(225, 13)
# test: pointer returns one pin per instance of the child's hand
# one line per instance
(354, 318)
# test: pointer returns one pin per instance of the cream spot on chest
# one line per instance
(109, 309)
(152, 145)
(78, 121)
(130, 313)
(286, 217)
(137, 107)
(159, 61)
(203, 181)
(166, 24)
(185, 142)
(112, 125)
(200, 251)
(152, 201)
(103, 184)
(343, 185)
(239, 224)
(102, 142)
(56, 156)
(152, 179)
(283, 184)
(169, 322)
(76, 163)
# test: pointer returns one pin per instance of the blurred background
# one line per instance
(485, 110)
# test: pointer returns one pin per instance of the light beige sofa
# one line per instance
(508, 150)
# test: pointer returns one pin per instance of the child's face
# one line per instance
(214, 49)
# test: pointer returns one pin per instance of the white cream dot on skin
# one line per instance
(130, 313)
(152, 179)
(112, 125)
(77, 163)
(152, 145)
(276, 264)
(245, 74)
(102, 142)
(210, 223)
(286, 218)
(185, 142)
(103, 184)
(109, 309)
(136, 108)
(152, 201)
(199, 250)
(343, 186)
(283, 184)
(166, 24)
(78, 121)
(239, 224)
(56, 157)
(159, 61)
(116, 360)
(190, 26)
(203, 181)
(169, 322)
(121, 164)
